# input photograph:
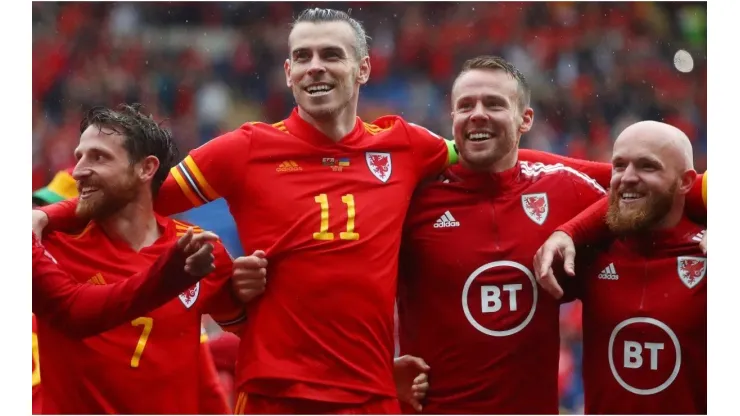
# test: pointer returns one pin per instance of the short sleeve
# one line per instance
(212, 170)
(432, 153)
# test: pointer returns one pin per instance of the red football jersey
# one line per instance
(468, 301)
(329, 217)
(645, 323)
(150, 365)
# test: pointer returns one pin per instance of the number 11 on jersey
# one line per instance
(324, 233)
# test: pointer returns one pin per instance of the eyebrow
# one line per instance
(336, 49)
(640, 160)
(487, 97)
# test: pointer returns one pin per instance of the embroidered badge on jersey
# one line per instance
(692, 270)
(189, 296)
(379, 165)
(536, 207)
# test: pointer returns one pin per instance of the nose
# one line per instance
(81, 171)
(479, 113)
(316, 66)
(629, 176)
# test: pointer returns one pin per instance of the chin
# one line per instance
(322, 111)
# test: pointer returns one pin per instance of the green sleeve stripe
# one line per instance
(452, 155)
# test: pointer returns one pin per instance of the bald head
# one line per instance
(668, 143)
(652, 171)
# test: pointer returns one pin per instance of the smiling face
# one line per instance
(487, 118)
(651, 173)
(323, 71)
(106, 179)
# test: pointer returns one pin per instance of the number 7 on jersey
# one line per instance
(324, 233)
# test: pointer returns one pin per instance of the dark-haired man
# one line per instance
(152, 364)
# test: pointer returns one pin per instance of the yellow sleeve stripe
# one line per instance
(209, 192)
(452, 155)
(175, 172)
(203, 338)
(704, 188)
(373, 129)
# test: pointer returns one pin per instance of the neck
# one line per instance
(336, 126)
(135, 224)
(673, 217)
(505, 163)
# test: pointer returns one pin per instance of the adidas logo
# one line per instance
(699, 236)
(288, 166)
(446, 220)
(609, 273)
(97, 279)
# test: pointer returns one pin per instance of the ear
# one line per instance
(687, 181)
(363, 75)
(148, 168)
(286, 66)
(527, 120)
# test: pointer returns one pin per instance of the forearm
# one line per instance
(590, 225)
(85, 309)
(62, 216)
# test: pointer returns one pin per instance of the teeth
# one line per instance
(318, 88)
(479, 136)
(630, 195)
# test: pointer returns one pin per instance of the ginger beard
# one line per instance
(641, 216)
(108, 197)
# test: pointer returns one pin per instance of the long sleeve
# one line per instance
(213, 400)
(588, 226)
(62, 216)
(85, 309)
(599, 171)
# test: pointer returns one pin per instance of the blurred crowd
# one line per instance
(209, 67)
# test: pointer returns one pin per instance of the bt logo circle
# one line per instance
(499, 298)
(644, 355)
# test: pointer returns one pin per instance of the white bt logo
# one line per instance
(446, 220)
(609, 273)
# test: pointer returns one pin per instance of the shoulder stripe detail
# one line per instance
(185, 187)
(373, 129)
(209, 192)
(704, 188)
(193, 183)
(535, 169)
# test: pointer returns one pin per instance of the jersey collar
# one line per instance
(300, 128)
